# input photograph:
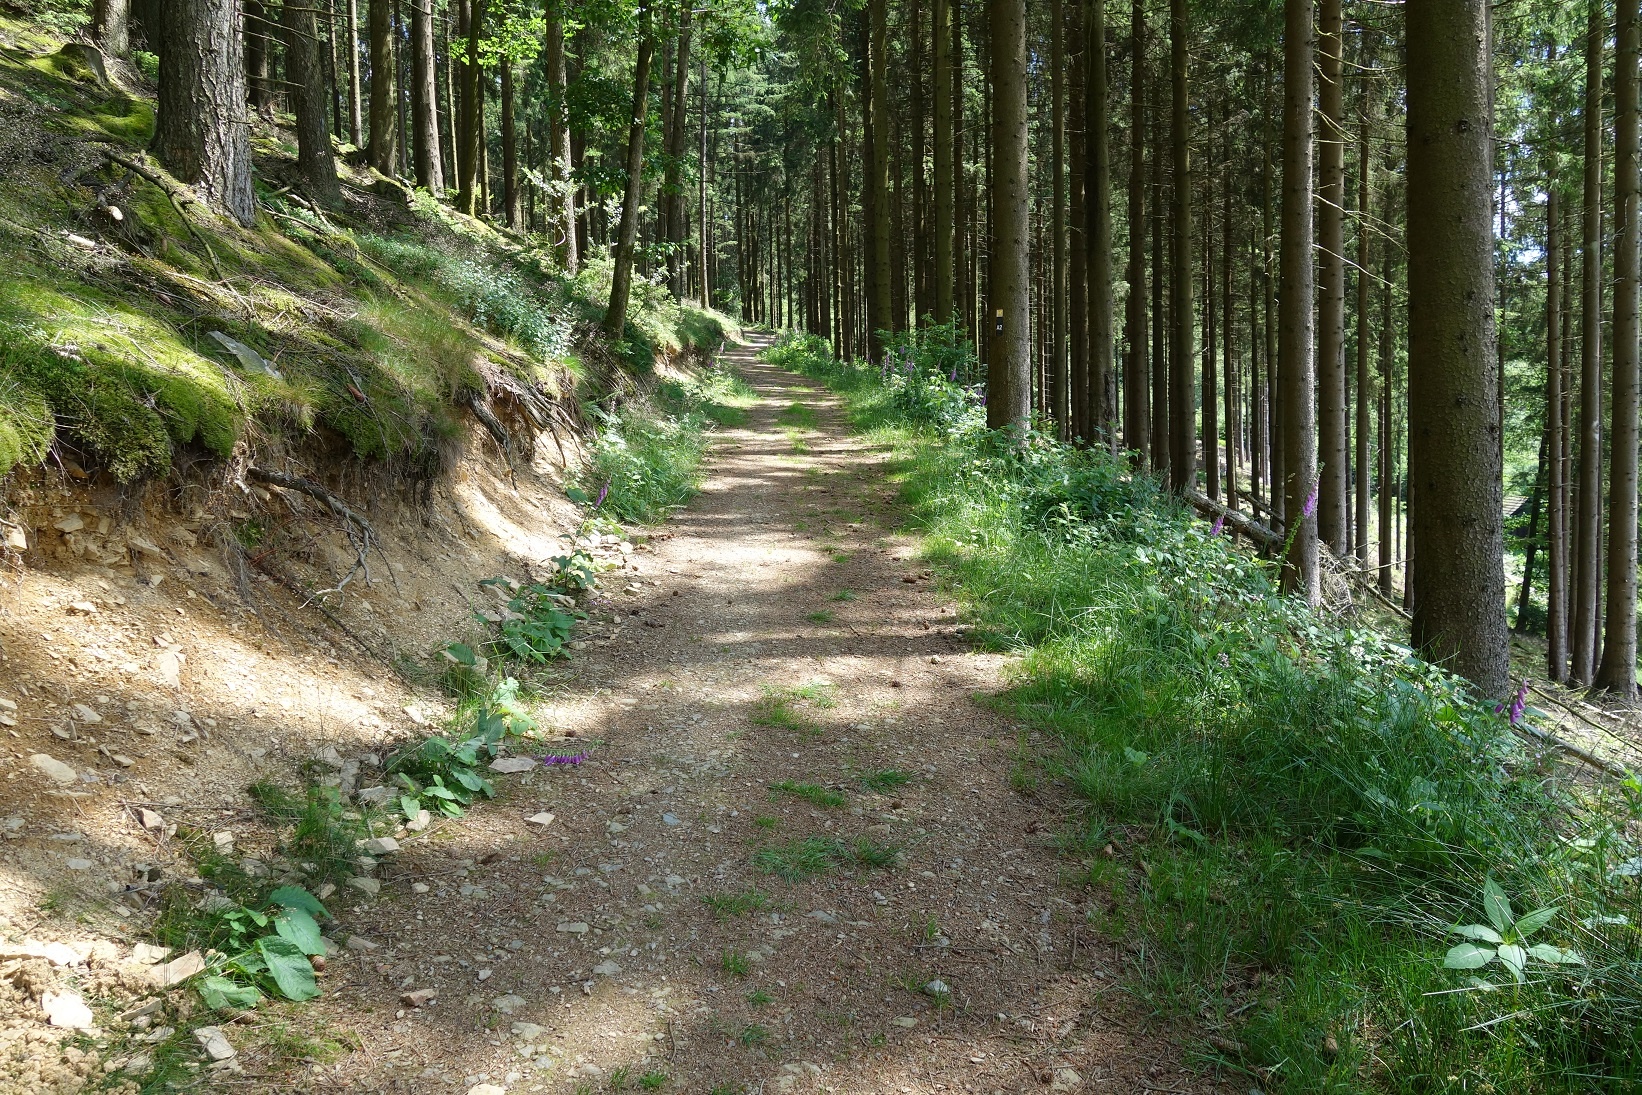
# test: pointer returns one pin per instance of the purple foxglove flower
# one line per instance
(604, 491)
(1520, 704)
(1219, 523)
(1311, 502)
(953, 379)
(571, 760)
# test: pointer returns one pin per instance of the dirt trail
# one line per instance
(585, 955)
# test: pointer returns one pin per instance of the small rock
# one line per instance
(150, 820)
(528, 1032)
(369, 886)
(543, 819)
(415, 715)
(178, 970)
(72, 523)
(613, 826)
(487, 1089)
(8, 705)
(507, 765)
(821, 915)
(508, 1004)
(82, 608)
(1066, 1079)
(82, 713)
(66, 1009)
(78, 864)
(214, 1042)
(670, 819)
(906, 1021)
(937, 988)
(422, 820)
(16, 538)
(574, 927)
(54, 769)
(329, 756)
(379, 845)
(419, 887)
(361, 944)
(418, 998)
(484, 974)
(607, 969)
(168, 664)
(148, 953)
(374, 796)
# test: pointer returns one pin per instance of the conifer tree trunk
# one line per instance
(257, 64)
(1296, 366)
(1387, 466)
(1229, 380)
(880, 301)
(111, 26)
(1588, 523)
(1209, 430)
(945, 261)
(621, 276)
(1098, 195)
(919, 249)
(430, 172)
(1009, 378)
(1556, 588)
(200, 133)
(471, 107)
(510, 149)
(703, 225)
(1617, 673)
(1137, 407)
(1331, 281)
(1182, 391)
(676, 259)
(1453, 452)
(383, 92)
(1158, 227)
(305, 73)
(1365, 196)
(356, 111)
(1070, 419)
(563, 204)
(1077, 202)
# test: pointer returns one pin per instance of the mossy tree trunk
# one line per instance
(200, 133)
(111, 26)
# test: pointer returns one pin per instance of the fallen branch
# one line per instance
(359, 531)
(1238, 521)
(172, 194)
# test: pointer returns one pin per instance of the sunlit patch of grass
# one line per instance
(885, 781)
(812, 793)
(727, 905)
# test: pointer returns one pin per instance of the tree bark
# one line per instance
(1098, 194)
(1453, 451)
(673, 185)
(563, 202)
(200, 133)
(1296, 365)
(1182, 389)
(1009, 378)
(1078, 132)
(945, 262)
(1365, 198)
(305, 73)
(1137, 408)
(1588, 523)
(1331, 281)
(1617, 673)
(430, 171)
(383, 91)
(257, 66)
(1556, 587)
(621, 276)
(111, 26)
(1070, 420)
(880, 301)
(510, 149)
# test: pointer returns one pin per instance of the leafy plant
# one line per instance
(1505, 939)
(271, 948)
(536, 623)
(444, 775)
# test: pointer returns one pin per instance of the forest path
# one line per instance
(636, 936)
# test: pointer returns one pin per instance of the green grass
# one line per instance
(754, 1034)
(820, 616)
(1298, 813)
(735, 963)
(798, 415)
(759, 998)
(810, 856)
(727, 905)
(843, 595)
(885, 781)
(812, 793)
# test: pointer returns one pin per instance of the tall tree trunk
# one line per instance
(356, 110)
(563, 203)
(471, 105)
(621, 276)
(383, 89)
(1009, 378)
(672, 183)
(510, 149)
(1365, 198)
(1058, 326)
(1158, 227)
(1331, 281)
(1209, 429)
(1387, 457)
(111, 26)
(1296, 365)
(1098, 194)
(257, 63)
(1137, 404)
(1617, 672)
(305, 73)
(1453, 449)
(1588, 524)
(1556, 588)
(1228, 311)
(200, 133)
(430, 171)
(945, 262)
(1530, 542)
(1078, 132)
(1182, 391)
(880, 302)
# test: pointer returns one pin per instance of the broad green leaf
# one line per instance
(577, 495)
(295, 897)
(1529, 923)
(298, 928)
(1513, 958)
(1496, 905)
(219, 993)
(1468, 956)
(439, 790)
(1477, 931)
(410, 806)
(1136, 757)
(1547, 953)
(289, 967)
(461, 654)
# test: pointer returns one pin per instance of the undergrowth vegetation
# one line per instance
(1309, 840)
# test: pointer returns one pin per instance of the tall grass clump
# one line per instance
(1290, 820)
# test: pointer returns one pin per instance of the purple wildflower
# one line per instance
(603, 492)
(1311, 502)
(553, 759)
(953, 379)
(1520, 704)
(1219, 523)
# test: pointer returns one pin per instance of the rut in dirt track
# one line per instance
(560, 957)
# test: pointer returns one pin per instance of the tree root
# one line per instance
(361, 536)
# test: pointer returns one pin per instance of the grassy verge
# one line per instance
(1295, 826)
